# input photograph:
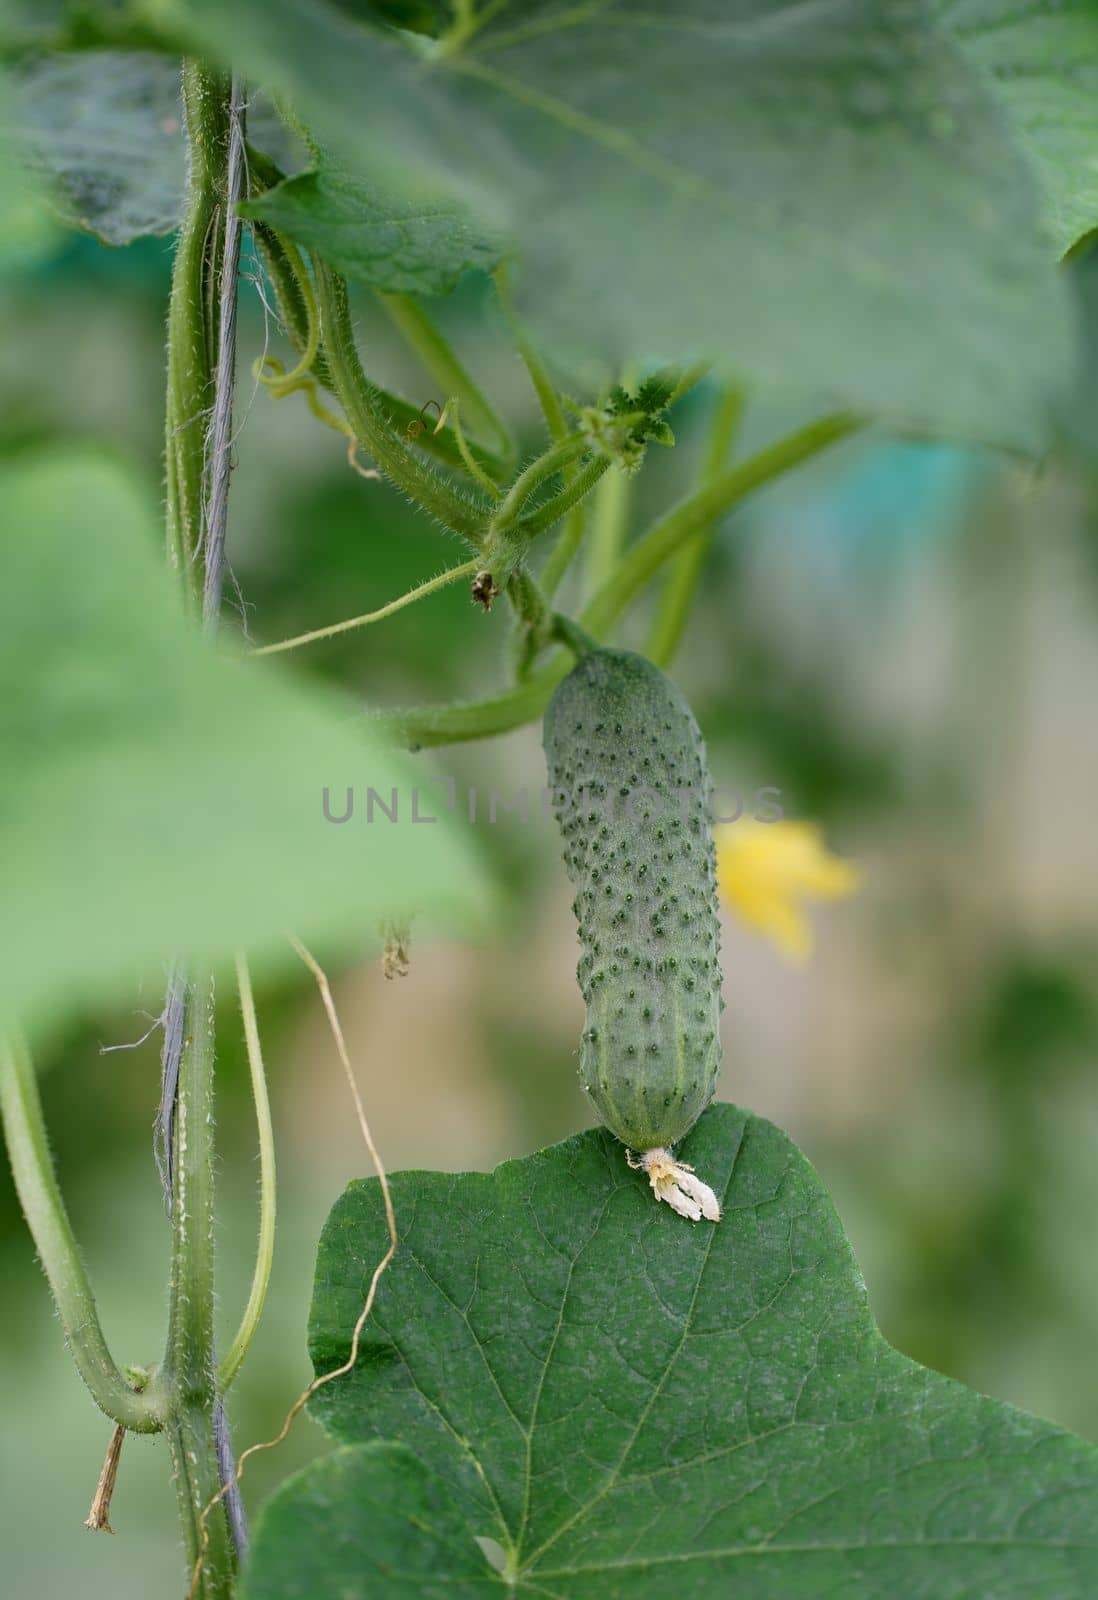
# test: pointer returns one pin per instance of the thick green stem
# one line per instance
(686, 569)
(43, 1206)
(188, 1367)
(194, 1472)
(219, 441)
(192, 322)
(448, 724)
(188, 1359)
(448, 371)
(198, 461)
(363, 410)
(293, 292)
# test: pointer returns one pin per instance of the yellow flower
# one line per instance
(765, 870)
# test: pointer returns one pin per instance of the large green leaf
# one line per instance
(823, 197)
(104, 127)
(1043, 61)
(398, 246)
(629, 1405)
(159, 796)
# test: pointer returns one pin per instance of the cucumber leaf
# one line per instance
(398, 246)
(566, 1391)
(822, 198)
(104, 129)
(161, 796)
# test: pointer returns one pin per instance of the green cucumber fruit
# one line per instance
(630, 785)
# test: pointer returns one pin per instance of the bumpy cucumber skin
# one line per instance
(646, 893)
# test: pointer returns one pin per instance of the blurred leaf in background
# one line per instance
(1043, 63)
(105, 130)
(160, 799)
(852, 209)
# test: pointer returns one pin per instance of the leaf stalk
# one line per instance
(44, 1208)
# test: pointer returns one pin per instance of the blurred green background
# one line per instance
(901, 638)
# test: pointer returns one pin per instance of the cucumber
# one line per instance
(630, 784)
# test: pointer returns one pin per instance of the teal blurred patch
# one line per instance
(885, 507)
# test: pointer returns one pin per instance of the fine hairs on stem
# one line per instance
(219, 446)
(451, 575)
(371, 1294)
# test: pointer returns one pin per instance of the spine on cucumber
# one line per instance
(631, 788)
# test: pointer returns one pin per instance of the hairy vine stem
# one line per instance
(219, 442)
(363, 409)
(296, 303)
(192, 336)
(560, 455)
(230, 1484)
(201, 374)
(171, 1051)
(551, 511)
(188, 1365)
